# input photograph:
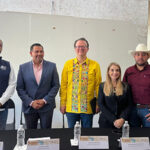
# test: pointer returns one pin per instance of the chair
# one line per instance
(22, 120)
(63, 126)
(64, 121)
(11, 106)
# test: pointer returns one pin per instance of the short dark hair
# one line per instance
(81, 39)
(35, 44)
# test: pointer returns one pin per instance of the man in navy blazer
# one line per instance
(37, 86)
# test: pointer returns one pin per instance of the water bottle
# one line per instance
(77, 131)
(20, 136)
(125, 129)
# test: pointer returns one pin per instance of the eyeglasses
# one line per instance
(80, 47)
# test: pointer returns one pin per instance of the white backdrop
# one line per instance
(109, 41)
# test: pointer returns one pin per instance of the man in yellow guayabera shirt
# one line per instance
(80, 81)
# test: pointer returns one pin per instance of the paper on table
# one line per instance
(38, 141)
(42, 144)
(135, 143)
(54, 144)
(1, 145)
(93, 142)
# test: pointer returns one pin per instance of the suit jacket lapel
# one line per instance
(43, 72)
(32, 72)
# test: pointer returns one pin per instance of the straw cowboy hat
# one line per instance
(140, 48)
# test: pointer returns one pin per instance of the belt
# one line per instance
(143, 106)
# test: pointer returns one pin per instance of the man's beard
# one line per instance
(143, 64)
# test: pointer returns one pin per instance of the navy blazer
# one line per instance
(114, 107)
(28, 89)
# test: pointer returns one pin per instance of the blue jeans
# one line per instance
(3, 119)
(86, 119)
(137, 117)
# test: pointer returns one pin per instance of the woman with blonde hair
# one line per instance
(114, 99)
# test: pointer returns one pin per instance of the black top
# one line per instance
(114, 107)
(4, 75)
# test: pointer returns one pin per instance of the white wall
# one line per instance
(109, 41)
(135, 11)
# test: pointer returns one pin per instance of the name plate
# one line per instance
(42, 144)
(93, 142)
(135, 143)
(1, 145)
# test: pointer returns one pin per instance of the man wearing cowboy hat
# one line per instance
(138, 77)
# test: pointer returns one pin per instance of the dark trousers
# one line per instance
(45, 118)
(3, 119)
(104, 123)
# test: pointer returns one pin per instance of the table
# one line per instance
(9, 136)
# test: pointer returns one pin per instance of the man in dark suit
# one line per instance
(37, 86)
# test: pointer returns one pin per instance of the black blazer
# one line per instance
(114, 107)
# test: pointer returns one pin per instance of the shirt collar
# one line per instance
(40, 63)
(145, 67)
(76, 61)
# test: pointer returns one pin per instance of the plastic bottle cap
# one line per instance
(77, 122)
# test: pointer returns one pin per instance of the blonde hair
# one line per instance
(108, 86)
(1, 41)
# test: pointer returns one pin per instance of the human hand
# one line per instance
(119, 123)
(63, 109)
(41, 102)
(37, 104)
(97, 109)
(148, 117)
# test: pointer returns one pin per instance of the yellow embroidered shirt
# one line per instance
(79, 85)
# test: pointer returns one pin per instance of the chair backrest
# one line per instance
(21, 120)
(11, 105)
(63, 126)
